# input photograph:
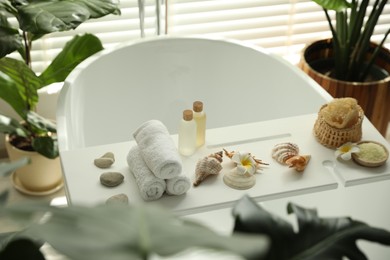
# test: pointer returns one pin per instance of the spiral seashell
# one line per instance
(217, 156)
(284, 151)
(298, 162)
(238, 181)
(207, 166)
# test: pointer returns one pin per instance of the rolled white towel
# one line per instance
(158, 149)
(150, 187)
(178, 185)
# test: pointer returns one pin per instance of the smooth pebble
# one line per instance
(105, 161)
(118, 199)
(111, 179)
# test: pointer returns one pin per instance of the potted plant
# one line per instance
(31, 134)
(350, 64)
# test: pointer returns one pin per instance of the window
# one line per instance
(281, 26)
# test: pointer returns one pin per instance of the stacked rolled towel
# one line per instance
(150, 186)
(178, 185)
(158, 149)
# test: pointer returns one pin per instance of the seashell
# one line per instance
(217, 156)
(207, 166)
(284, 151)
(105, 161)
(298, 162)
(239, 181)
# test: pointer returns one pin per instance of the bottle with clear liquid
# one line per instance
(200, 119)
(187, 134)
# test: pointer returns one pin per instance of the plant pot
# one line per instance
(372, 96)
(39, 177)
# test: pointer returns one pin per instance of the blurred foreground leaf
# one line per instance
(317, 238)
(126, 232)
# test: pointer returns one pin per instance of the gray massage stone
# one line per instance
(111, 179)
(118, 199)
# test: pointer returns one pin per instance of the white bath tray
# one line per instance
(324, 172)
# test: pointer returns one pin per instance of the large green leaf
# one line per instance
(24, 80)
(44, 141)
(22, 248)
(127, 232)
(74, 52)
(317, 238)
(46, 145)
(7, 168)
(10, 93)
(12, 126)
(100, 8)
(6, 6)
(40, 124)
(42, 17)
(336, 5)
(10, 40)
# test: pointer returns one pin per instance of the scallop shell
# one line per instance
(209, 165)
(239, 181)
(284, 151)
(288, 154)
(298, 162)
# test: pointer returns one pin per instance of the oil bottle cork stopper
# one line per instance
(198, 106)
(187, 115)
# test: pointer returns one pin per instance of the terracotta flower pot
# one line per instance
(373, 96)
(41, 175)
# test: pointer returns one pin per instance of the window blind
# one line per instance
(283, 27)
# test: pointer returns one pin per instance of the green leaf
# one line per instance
(44, 141)
(25, 82)
(10, 40)
(4, 196)
(336, 5)
(135, 232)
(42, 17)
(22, 248)
(251, 218)
(41, 124)
(10, 93)
(6, 6)
(100, 8)
(46, 145)
(7, 168)
(317, 238)
(74, 52)
(11, 126)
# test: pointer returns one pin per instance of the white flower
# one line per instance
(245, 163)
(346, 150)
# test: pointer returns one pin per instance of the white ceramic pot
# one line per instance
(42, 174)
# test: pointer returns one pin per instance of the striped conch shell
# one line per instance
(288, 154)
(209, 165)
